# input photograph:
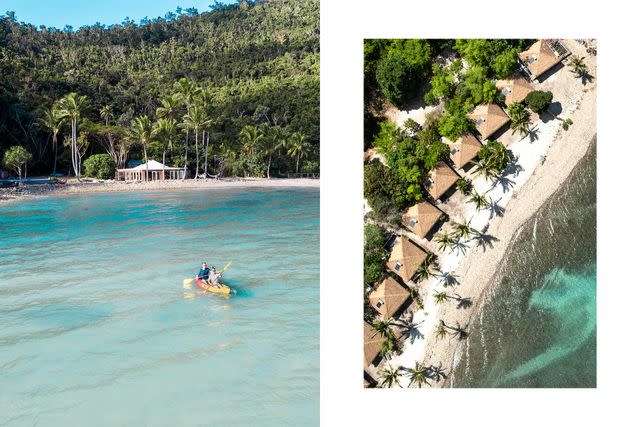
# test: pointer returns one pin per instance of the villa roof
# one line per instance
(420, 218)
(388, 297)
(440, 179)
(405, 258)
(153, 166)
(539, 58)
(464, 149)
(372, 344)
(515, 89)
(488, 119)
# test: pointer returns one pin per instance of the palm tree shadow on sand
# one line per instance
(410, 329)
(504, 182)
(448, 279)
(495, 209)
(533, 134)
(485, 241)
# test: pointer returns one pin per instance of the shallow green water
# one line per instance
(96, 328)
(538, 326)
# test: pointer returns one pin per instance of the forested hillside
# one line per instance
(244, 78)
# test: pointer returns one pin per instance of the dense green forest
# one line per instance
(234, 90)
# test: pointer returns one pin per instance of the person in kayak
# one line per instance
(205, 274)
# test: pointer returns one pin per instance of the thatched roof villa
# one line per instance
(405, 258)
(541, 56)
(372, 344)
(420, 218)
(464, 149)
(488, 118)
(440, 180)
(388, 297)
(515, 89)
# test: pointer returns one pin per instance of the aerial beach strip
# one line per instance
(433, 330)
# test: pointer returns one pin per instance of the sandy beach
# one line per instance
(109, 186)
(542, 165)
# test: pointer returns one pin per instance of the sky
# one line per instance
(58, 13)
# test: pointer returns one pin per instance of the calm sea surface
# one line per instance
(96, 328)
(538, 326)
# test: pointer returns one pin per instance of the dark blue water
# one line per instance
(96, 328)
(538, 326)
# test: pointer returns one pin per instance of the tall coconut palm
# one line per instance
(71, 107)
(275, 138)
(388, 345)
(483, 168)
(298, 148)
(440, 297)
(250, 137)
(390, 377)
(170, 106)
(165, 131)
(520, 120)
(187, 91)
(141, 133)
(578, 66)
(463, 229)
(52, 120)
(444, 240)
(383, 327)
(441, 331)
(417, 375)
(423, 272)
(457, 330)
(479, 201)
(106, 113)
(196, 119)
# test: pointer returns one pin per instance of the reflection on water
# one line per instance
(95, 318)
(537, 328)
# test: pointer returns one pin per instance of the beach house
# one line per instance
(155, 171)
(514, 89)
(405, 258)
(421, 218)
(463, 150)
(388, 297)
(440, 179)
(372, 344)
(488, 118)
(541, 56)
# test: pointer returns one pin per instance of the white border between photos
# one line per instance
(344, 24)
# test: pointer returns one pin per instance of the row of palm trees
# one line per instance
(198, 121)
(418, 376)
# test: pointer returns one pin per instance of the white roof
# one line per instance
(153, 165)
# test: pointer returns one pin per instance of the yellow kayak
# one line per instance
(222, 289)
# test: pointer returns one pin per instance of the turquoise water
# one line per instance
(538, 326)
(96, 328)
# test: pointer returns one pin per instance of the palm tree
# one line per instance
(271, 143)
(578, 66)
(250, 137)
(106, 113)
(422, 273)
(141, 132)
(444, 240)
(520, 121)
(196, 119)
(186, 90)
(171, 106)
(298, 147)
(436, 372)
(390, 377)
(483, 168)
(440, 297)
(383, 327)
(165, 130)
(417, 375)
(71, 107)
(52, 120)
(478, 200)
(463, 229)
(388, 345)
(458, 331)
(441, 331)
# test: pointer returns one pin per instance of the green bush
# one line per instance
(100, 166)
(538, 100)
(397, 78)
(375, 257)
(15, 158)
(464, 185)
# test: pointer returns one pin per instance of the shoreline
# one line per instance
(491, 283)
(543, 165)
(89, 187)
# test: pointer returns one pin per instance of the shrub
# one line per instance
(538, 100)
(100, 166)
(375, 255)
(464, 185)
(566, 124)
